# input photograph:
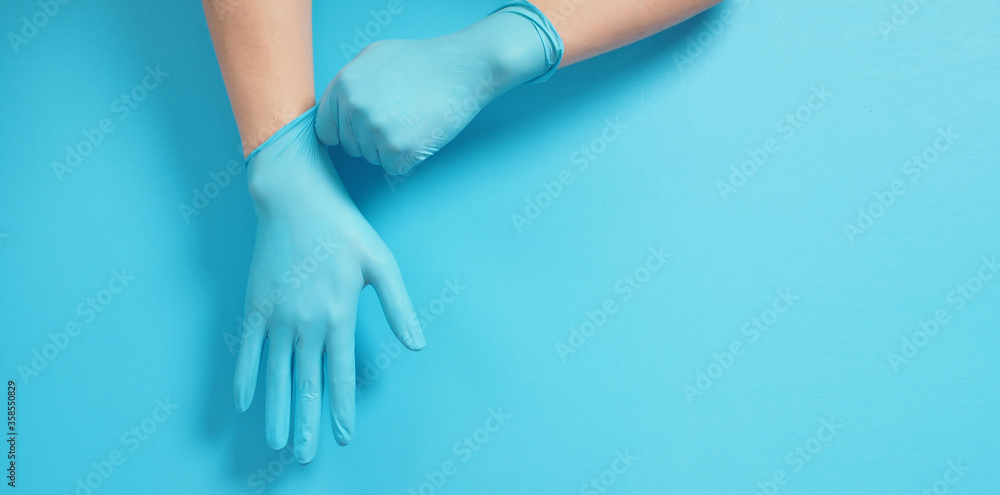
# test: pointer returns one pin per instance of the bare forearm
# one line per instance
(265, 53)
(592, 27)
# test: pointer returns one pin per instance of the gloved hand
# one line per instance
(313, 255)
(400, 101)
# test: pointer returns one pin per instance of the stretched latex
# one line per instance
(400, 101)
(313, 254)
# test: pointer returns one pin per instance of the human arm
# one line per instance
(265, 54)
(592, 27)
(400, 101)
(313, 252)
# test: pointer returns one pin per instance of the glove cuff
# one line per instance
(303, 123)
(551, 41)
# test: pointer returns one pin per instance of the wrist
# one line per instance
(291, 161)
(538, 49)
(261, 122)
(510, 47)
(516, 42)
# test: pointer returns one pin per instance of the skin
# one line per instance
(265, 53)
(592, 27)
(304, 214)
(264, 50)
(394, 103)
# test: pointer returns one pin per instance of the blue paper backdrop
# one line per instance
(820, 180)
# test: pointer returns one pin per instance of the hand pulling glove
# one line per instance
(400, 101)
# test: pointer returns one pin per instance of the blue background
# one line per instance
(696, 100)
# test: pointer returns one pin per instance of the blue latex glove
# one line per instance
(400, 101)
(313, 255)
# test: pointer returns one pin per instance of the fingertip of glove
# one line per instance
(417, 341)
(304, 454)
(341, 434)
(413, 335)
(241, 400)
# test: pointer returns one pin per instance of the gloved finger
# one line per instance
(248, 360)
(308, 394)
(348, 139)
(327, 127)
(340, 374)
(279, 387)
(396, 304)
(401, 163)
(367, 145)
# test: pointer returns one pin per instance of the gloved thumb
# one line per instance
(397, 306)
(327, 129)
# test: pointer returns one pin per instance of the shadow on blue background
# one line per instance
(638, 386)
